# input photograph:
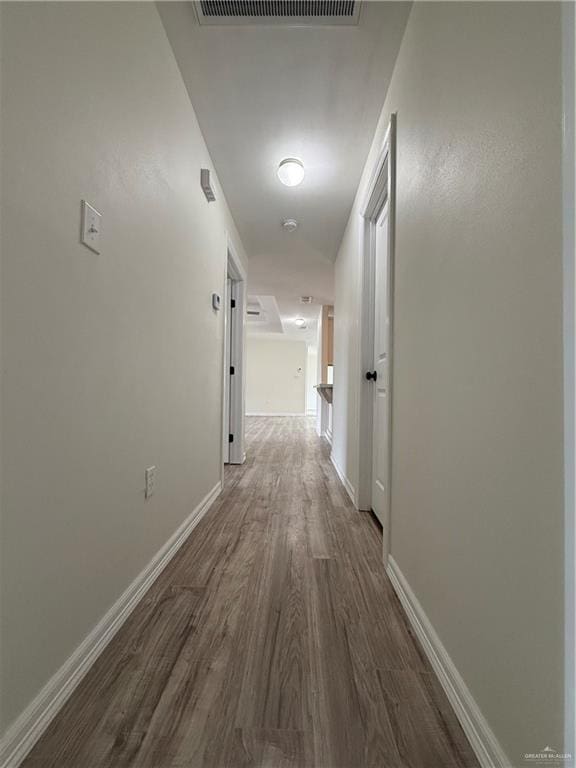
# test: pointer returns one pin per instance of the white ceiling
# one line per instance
(262, 93)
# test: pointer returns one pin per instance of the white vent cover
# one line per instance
(291, 12)
(306, 299)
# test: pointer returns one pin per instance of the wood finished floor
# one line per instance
(273, 638)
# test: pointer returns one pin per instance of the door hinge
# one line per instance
(233, 303)
(231, 370)
(230, 438)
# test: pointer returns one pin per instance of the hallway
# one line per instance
(266, 264)
(272, 639)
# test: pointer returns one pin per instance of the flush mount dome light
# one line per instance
(291, 171)
(300, 322)
(290, 225)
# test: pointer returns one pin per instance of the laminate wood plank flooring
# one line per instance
(273, 639)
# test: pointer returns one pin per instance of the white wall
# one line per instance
(477, 513)
(275, 376)
(311, 380)
(111, 363)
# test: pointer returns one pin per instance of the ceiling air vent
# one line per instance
(291, 12)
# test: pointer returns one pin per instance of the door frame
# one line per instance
(569, 290)
(381, 191)
(234, 387)
(227, 362)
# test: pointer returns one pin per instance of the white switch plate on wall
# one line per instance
(150, 481)
(91, 227)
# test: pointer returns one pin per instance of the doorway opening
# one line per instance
(234, 376)
(375, 402)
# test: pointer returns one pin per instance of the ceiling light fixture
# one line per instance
(300, 322)
(291, 171)
(290, 225)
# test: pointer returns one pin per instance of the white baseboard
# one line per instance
(299, 413)
(481, 737)
(33, 721)
(344, 480)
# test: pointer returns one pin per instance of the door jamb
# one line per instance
(569, 239)
(226, 379)
(381, 190)
(236, 272)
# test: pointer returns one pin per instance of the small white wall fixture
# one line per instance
(381, 191)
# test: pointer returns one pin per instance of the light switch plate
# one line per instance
(91, 227)
(150, 482)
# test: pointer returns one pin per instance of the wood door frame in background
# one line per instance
(381, 191)
(236, 384)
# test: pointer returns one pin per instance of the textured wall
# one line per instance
(275, 376)
(110, 363)
(477, 509)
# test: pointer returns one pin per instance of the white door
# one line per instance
(380, 373)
